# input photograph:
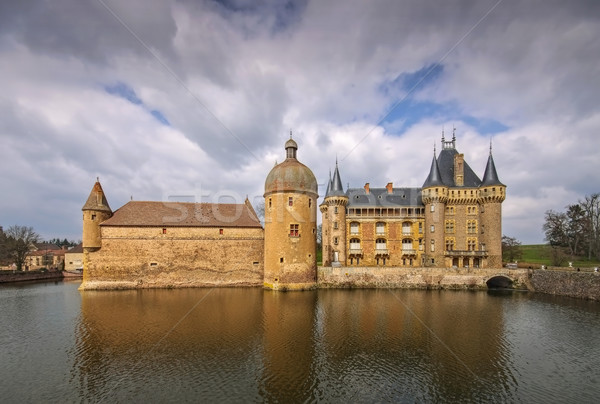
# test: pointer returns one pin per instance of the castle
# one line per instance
(454, 219)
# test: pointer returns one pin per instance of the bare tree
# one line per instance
(511, 249)
(21, 240)
(591, 207)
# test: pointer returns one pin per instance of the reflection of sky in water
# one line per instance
(328, 345)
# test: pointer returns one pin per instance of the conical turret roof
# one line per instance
(97, 200)
(490, 177)
(434, 178)
(336, 188)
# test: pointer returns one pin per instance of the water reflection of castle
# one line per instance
(245, 345)
(454, 219)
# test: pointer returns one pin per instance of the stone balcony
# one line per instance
(465, 253)
(355, 251)
(381, 251)
(409, 251)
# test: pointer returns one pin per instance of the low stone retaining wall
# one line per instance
(416, 278)
(583, 285)
(13, 276)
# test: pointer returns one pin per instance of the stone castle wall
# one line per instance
(583, 285)
(149, 257)
(416, 278)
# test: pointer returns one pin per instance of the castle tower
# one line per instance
(491, 195)
(291, 194)
(95, 211)
(333, 214)
(435, 196)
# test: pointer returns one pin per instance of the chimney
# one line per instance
(389, 187)
(459, 169)
(367, 188)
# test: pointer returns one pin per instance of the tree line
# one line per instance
(17, 241)
(576, 230)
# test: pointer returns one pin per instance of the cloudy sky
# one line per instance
(195, 99)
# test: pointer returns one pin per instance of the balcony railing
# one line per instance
(463, 253)
(409, 251)
(381, 251)
(355, 251)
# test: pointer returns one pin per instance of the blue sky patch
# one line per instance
(122, 90)
(410, 112)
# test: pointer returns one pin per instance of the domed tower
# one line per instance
(333, 215)
(290, 224)
(434, 195)
(491, 195)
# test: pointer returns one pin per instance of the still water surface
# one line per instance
(248, 345)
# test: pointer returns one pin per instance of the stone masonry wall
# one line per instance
(583, 285)
(415, 278)
(144, 257)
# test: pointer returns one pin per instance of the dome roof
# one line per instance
(291, 175)
(291, 143)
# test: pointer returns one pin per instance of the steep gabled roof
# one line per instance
(183, 214)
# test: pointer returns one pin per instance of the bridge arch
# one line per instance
(499, 281)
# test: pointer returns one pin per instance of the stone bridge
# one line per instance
(423, 278)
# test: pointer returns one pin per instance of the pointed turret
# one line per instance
(336, 188)
(97, 200)
(490, 177)
(95, 211)
(434, 178)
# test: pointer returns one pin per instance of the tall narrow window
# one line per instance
(432, 245)
(432, 228)
(309, 202)
(93, 216)
(335, 209)
(164, 231)
(269, 202)
(290, 201)
(335, 225)
(294, 230)
(220, 231)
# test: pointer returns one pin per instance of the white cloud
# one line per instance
(232, 80)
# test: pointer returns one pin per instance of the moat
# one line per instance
(58, 344)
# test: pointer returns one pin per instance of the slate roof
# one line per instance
(336, 188)
(434, 178)
(490, 177)
(379, 197)
(446, 166)
(183, 214)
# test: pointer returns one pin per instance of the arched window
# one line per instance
(354, 228)
(380, 228)
(406, 228)
(407, 244)
(380, 244)
(354, 244)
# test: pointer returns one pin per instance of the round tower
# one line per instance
(333, 211)
(290, 224)
(491, 195)
(434, 195)
(95, 211)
